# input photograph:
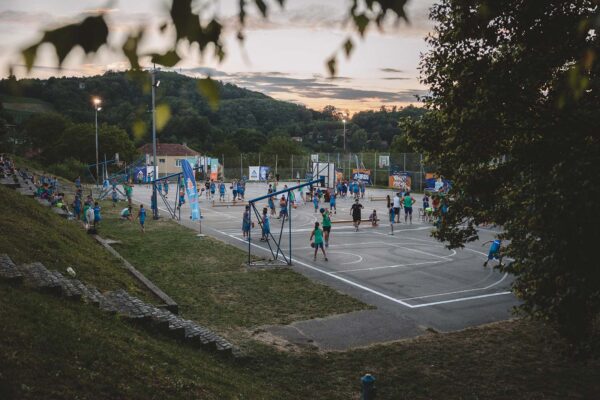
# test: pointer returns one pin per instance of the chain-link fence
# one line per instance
(379, 166)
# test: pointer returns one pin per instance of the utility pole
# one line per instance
(155, 84)
(97, 101)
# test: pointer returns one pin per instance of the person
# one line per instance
(283, 212)
(326, 225)
(166, 188)
(272, 205)
(266, 226)
(142, 217)
(332, 203)
(207, 187)
(128, 192)
(397, 207)
(363, 187)
(318, 243)
(373, 218)
(326, 196)
(213, 189)
(234, 190)
(159, 186)
(126, 213)
(292, 197)
(270, 190)
(435, 202)
(408, 203)
(77, 206)
(391, 215)
(246, 223)
(181, 197)
(389, 201)
(426, 209)
(154, 205)
(494, 252)
(89, 217)
(115, 197)
(222, 191)
(97, 215)
(315, 200)
(78, 182)
(355, 210)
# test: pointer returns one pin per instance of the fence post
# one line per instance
(375, 169)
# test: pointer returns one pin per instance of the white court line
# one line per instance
(365, 288)
(460, 299)
(345, 252)
(458, 291)
(389, 266)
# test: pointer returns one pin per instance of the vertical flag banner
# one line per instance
(190, 187)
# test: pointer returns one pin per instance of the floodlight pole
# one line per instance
(155, 176)
(97, 108)
(344, 121)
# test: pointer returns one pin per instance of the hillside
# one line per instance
(242, 113)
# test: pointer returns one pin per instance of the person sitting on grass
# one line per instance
(126, 214)
(318, 243)
(373, 218)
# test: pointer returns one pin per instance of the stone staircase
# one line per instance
(37, 276)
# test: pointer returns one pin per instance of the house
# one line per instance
(169, 156)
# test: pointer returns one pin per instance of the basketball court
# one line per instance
(408, 274)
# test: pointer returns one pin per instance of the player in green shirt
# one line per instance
(318, 243)
(326, 225)
(408, 201)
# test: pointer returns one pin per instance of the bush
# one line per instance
(69, 169)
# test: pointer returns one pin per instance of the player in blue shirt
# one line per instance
(142, 217)
(222, 191)
(494, 252)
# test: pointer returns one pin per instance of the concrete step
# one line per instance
(9, 271)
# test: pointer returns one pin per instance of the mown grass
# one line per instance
(210, 282)
(53, 348)
(30, 232)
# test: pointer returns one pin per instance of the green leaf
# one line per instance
(348, 46)
(331, 66)
(262, 7)
(163, 114)
(90, 34)
(168, 59)
(210, 89)
(361, 22)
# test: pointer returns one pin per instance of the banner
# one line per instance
(253, 173)
(143, 174)
(400, 180)
(384, 161)
(339, 175)
(434, 183)
(264, 173)
(214, 169)
(190, 187)
(363, 175)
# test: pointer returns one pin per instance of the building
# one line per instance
(169, 156)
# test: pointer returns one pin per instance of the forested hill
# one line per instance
(245, 121)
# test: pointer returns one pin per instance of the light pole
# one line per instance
(344, 121)
(155, 84)
(97, 101)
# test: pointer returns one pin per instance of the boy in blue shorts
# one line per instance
(332, 203)
(213, 189)
(266, 226)
(494, 252)
(392, 214)
(142, 217)
(221, 191)
(166, 187)
(316, 202)
(97, 216)
(115, 197)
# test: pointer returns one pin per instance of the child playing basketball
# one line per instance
(494, 252)
(318, 243)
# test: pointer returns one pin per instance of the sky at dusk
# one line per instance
(283, 56)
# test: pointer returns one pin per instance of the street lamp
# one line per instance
(97, 101)
(155, 84)
(344, 121)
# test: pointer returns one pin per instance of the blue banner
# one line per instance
(190, 187)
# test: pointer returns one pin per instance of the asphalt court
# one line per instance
(408, 272)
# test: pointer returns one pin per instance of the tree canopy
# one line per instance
(513, 123)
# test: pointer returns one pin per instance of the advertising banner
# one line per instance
(253, 173)
(435, 183)
(400, 180)
(143, 174)
(384, 161)
(190, 187)
(363, 175)
(264, 173)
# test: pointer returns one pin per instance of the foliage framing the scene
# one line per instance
(513, 122)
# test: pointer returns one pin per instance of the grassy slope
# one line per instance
(54, 348)
(210, 282)
(30, 232)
